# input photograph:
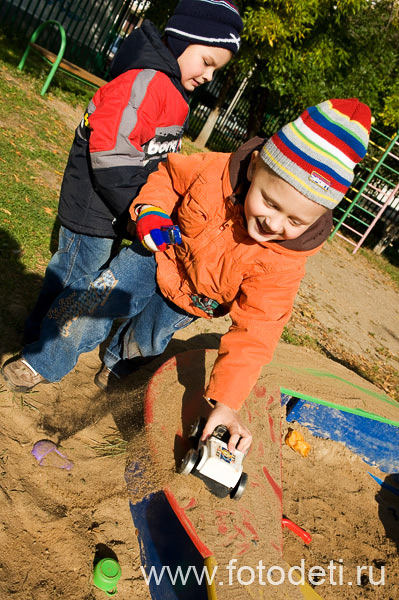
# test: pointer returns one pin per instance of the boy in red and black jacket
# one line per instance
(129, 126)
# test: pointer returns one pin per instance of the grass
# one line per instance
(190, 148)
(36, 70)
(34, 146)
(112, 447)
(295, 339)
(382, 264)
(387, 264)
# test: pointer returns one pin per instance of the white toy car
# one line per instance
(214, 463)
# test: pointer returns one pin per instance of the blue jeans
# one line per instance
(77, 255)
(82, 316)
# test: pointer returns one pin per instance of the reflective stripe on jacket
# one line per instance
(129, 126)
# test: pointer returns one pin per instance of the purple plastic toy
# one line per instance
(43, 448)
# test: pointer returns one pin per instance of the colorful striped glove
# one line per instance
(149, 225)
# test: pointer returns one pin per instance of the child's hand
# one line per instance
(131, 227)
(224, 415)
(148, 227)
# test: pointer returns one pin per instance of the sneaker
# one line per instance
(103, 377)
(20, 376)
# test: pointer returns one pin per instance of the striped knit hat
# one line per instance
(206, 22)
(318, 151)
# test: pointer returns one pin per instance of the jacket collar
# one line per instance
(145, 49)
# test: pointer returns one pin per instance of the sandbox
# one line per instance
(242, 543)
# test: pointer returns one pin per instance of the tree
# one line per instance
(227, 84)
(160, 11)
(314, 50)
(301, 52)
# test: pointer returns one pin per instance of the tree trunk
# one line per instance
(207, 129)
(257, 107)
(390, 236)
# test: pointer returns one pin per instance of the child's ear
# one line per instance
(252, 165)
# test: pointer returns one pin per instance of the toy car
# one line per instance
(171, 234)
(214, 463)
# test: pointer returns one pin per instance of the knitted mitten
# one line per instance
(149, 226)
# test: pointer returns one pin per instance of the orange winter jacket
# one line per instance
(256, 283)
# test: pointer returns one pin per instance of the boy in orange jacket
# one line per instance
(248, 223)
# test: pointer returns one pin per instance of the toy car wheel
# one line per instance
(237, 492)
(189, 461)
(197, 428)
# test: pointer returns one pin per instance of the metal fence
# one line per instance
(94, 29)
(230, 130)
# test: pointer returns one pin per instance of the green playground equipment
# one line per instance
(372, 191)
(56, 58)
(94, 30)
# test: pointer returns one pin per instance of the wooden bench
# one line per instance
(57, 61)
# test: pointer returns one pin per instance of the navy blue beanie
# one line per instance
(176, 45)
(206, 22)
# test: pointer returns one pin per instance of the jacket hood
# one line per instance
(144, 49)
(313, 237)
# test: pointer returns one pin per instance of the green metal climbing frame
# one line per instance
(372, 191)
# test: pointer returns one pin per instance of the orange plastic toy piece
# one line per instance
(295, 440)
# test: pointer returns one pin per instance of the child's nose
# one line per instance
(208, 74)
(275, 223)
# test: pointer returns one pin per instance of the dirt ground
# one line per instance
(351, 309)
(55, 523)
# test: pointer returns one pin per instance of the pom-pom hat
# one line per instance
(318, 152)
(206, 22)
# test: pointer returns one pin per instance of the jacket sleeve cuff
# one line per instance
(137, 208)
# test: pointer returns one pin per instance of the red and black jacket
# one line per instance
(130, 125)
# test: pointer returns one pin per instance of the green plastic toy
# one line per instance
(106, 575)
